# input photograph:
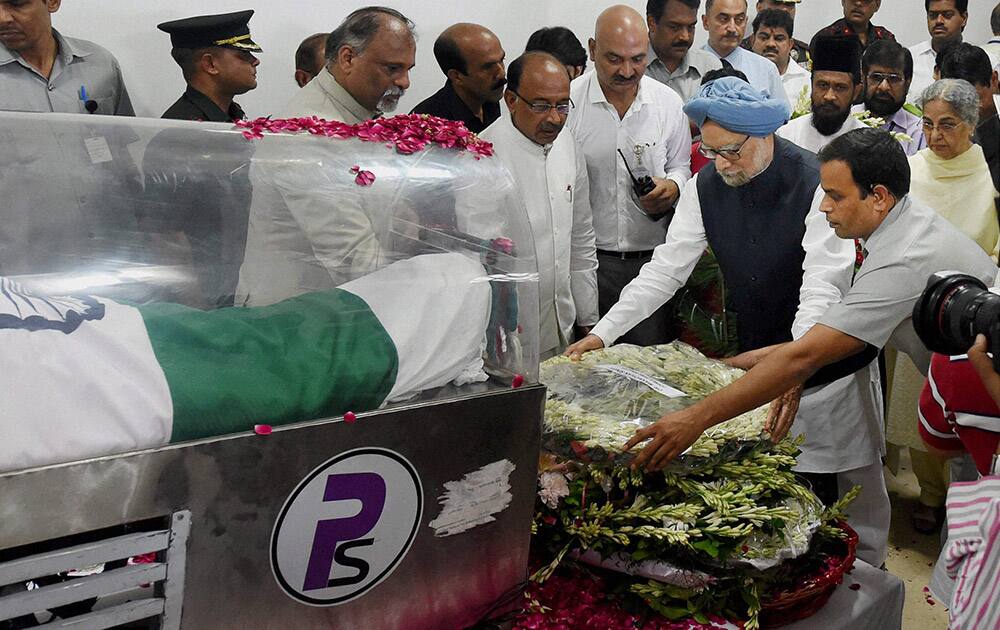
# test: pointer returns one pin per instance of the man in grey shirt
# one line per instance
(43, 71)
(672, 61)
(866, 178)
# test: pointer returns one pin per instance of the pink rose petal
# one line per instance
(517, 381)
(406, 133)
(350, 416)
(262, 429)
(364, 178)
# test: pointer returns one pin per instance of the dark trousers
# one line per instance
(825, 486)
(613, 274)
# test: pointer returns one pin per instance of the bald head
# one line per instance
(619, 49)
(620, 21)
(472, 58)
(538, 81)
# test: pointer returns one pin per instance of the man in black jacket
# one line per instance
(215, 53)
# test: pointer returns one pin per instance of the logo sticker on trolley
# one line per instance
(346, 526)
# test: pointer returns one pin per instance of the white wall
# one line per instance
(128, 29)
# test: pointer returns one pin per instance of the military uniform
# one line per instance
(193, 105)
(210, 206)
(843, 28)
(227, 30)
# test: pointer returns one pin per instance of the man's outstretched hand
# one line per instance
(781, 415)
(671, 435)
(582, 347)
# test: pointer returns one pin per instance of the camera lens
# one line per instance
(952, 310)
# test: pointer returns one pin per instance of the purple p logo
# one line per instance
(346, 526)
(368, 488)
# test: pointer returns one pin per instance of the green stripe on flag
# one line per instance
(312, 356)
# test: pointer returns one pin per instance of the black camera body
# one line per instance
(954, 309)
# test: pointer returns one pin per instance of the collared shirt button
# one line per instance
(754, 278)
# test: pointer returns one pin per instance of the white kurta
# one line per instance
(801, 132)
(794, 80)
(295, 243)
(553, 183)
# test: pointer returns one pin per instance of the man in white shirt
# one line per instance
(992, 47)
(294, 243)
(625, 121)
(672, 61)
(887, 68)
(836, 83)
(757, 206)
(946, 19)
(552, 176)
(726, 23)
(369, 58)
(772, 39)
(800, 50)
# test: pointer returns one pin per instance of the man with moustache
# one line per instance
(672, 61)
(946, 20)
(887, 68)
(757, 206)
(369, 58)
(726, 22)
(799, 52)
(772, 39)
(628, 125)
(836, 84)
(551, 174)
(471, 57)
(41, 70)
(88, 214)
(297, 241)
(857, 23)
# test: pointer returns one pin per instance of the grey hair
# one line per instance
(360, 27)
(958, 94)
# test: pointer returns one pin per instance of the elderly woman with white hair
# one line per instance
(950, 175)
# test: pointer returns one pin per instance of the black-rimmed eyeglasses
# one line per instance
(543, 108)
(730, 154)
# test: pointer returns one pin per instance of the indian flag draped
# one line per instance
(84, 377)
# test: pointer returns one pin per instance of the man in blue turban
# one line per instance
(757, 206)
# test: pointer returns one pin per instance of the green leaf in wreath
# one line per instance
(708, 547)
